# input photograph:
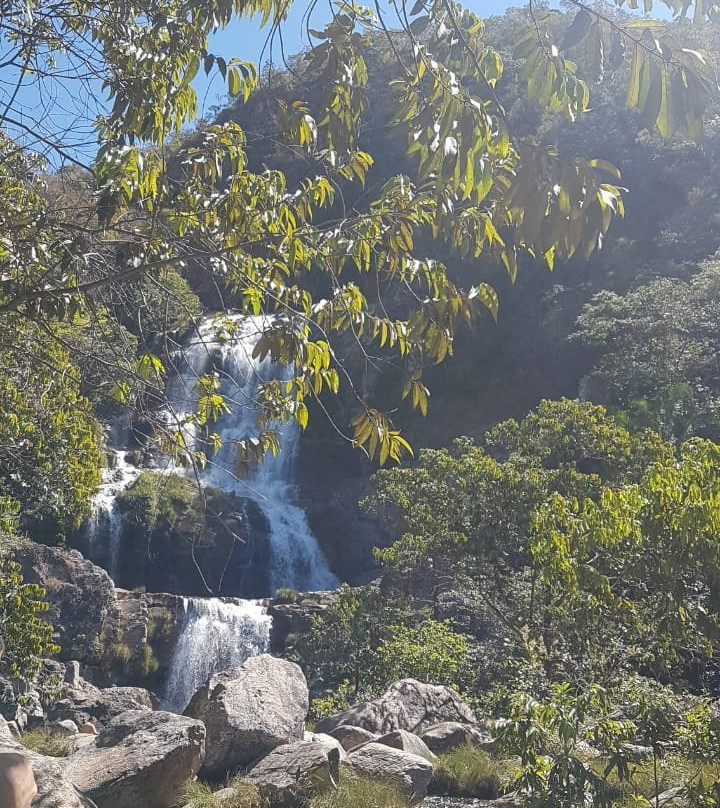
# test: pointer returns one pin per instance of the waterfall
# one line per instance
(216, 635)
(296, 560)
(105, 521)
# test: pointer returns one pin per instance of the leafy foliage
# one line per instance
(659, 351)
(327, 267)
(49, 442)
(26, 636)
(642, 558)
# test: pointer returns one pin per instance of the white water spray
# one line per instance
(216, 635)
(106, 521)
(296, 560)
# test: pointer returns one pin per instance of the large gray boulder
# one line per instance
(407, 704)
(141, 759)
(250, 710)
(54, 789)
(292, 772)
(410, 774)
(407, 742)
(449, 735)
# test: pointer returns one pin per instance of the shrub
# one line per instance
(48, 742)
(286, 594)
(357, 792)
(469, 772)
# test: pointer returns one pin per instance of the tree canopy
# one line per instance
(326, 264)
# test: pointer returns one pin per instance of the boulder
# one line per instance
(349, 736)
(66, 727)
(410, 774)
(327, 740)
(449, 735)
(292, 772)
(250, 710)
(141, 758)
(407, 704)
(89, 703)
(54, 789)
(407, 742)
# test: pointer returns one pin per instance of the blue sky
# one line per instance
(69, 107)
(245, 40)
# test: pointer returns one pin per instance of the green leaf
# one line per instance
(578, 29)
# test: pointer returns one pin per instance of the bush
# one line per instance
(357, 792)
(48, 742)
(469, 772)
(201, 795)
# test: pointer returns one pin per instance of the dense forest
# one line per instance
(426, 317)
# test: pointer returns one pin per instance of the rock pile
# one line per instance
(246, 719)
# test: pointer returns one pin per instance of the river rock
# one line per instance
(292, 772)
(141, 759)
(54, 788)
(350, 737)
(407, 704)
(410, 774)
(407, 742)
(449, 735)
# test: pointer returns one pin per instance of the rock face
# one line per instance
(80, 595)
(140, 759)
(407, 704)
(291, 772)
(54, 789)
(407, 742)
(450, 735)
(250, 710)
(409, 773)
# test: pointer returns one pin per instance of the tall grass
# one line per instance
(469, 772)
(359, 792)
(201, 795)
(48, 742)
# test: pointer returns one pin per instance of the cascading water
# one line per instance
(296, 561)
(216, 635)
(105, 521)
